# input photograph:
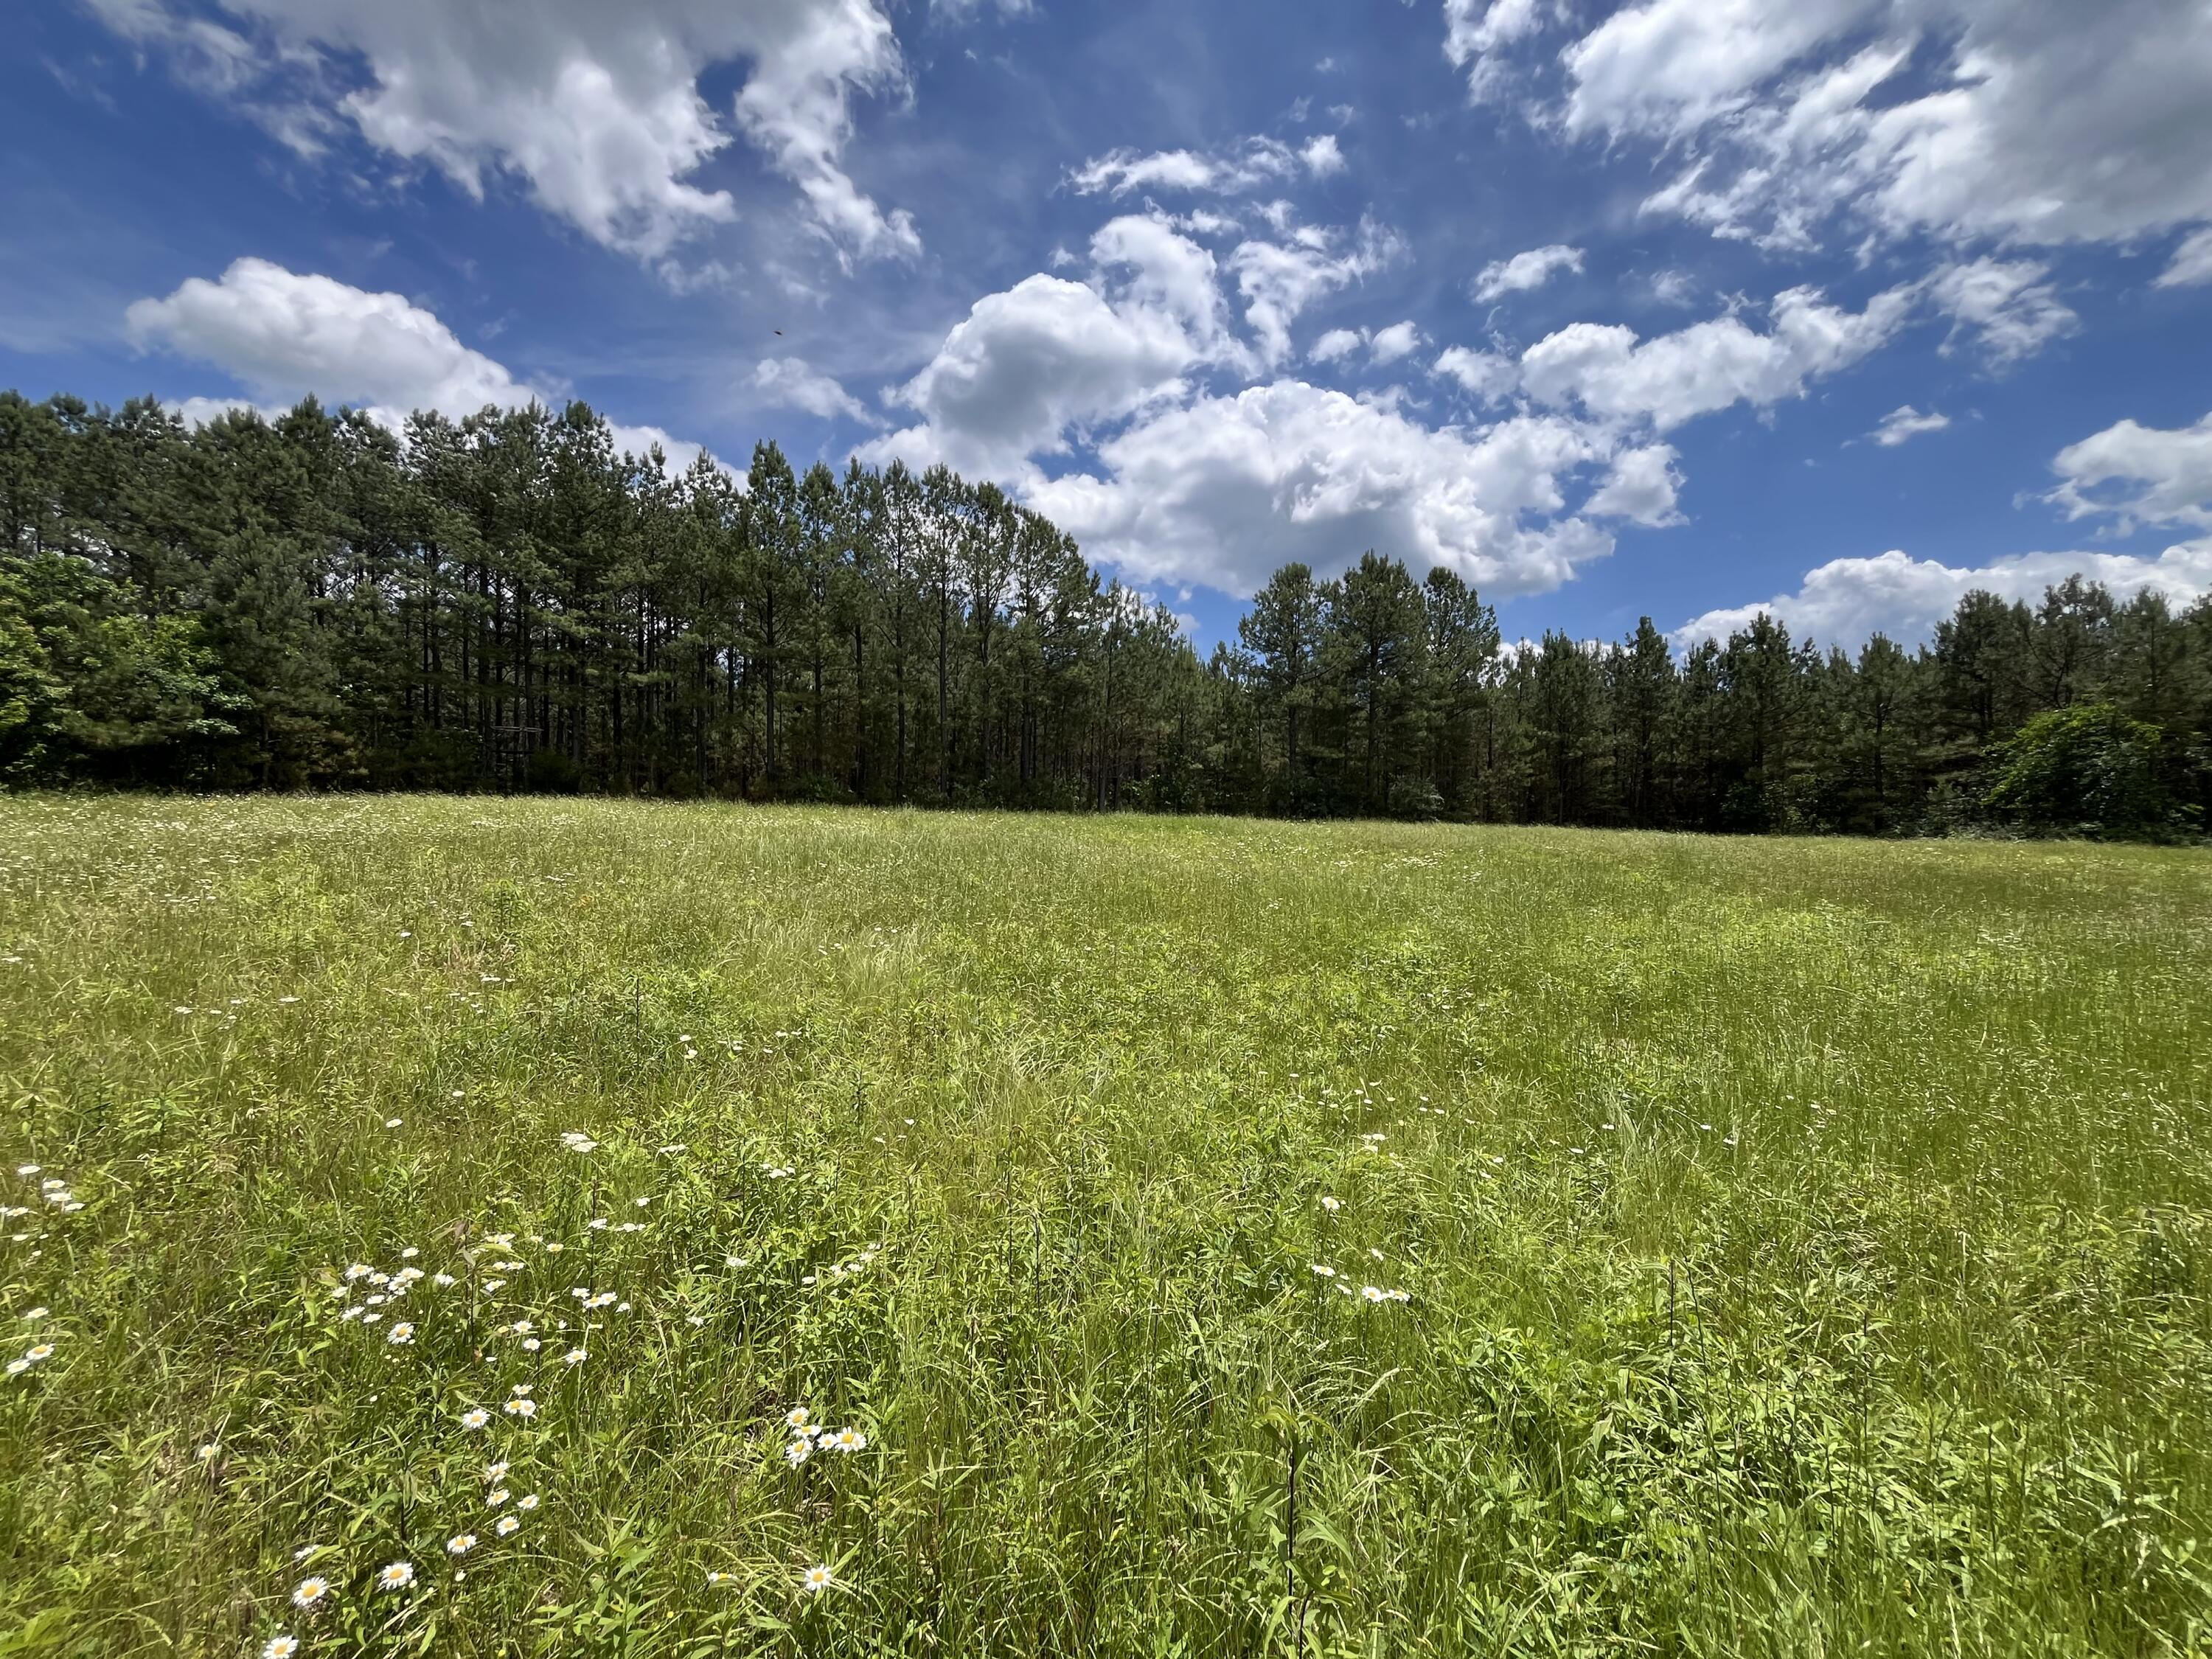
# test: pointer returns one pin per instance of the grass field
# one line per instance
(1752, 1247)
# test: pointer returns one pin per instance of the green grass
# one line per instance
(1805, 1243)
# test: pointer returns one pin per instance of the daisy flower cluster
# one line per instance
(380, 1293)
(808, 1437)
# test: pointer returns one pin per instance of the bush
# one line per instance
(2086, 770)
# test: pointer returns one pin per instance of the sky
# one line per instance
(1676, 308)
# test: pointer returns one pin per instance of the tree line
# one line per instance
(509, 602)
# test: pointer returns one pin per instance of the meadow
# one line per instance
(489, 1226)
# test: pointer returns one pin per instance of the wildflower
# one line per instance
(555, 1249)
(394, 1122)
(1324, 1270)
(520, 1388)
(577, 1141)
(798, 1452)
(494, 1500)
(376, 1302)
(508, 1526)
(395, 1575)
(494, 1473)
(359, 1270)
(400, 1334)
(631, 1227)
(371, 1319)
(531, 1345)
(520, 1328)
(305, 1551)
(209, 1452)
(460, 1543)
(38, 1353)
(522, 1407)
(475, 1418)
(527, 1501)
(674, 1147)
(597, 1224)
(1371, 1294)
(817, 1580)
(600, 1300)
(351, 1313)
(494, 1285)
(647, 1199)
(280, 1646)
(17, 1367)
(408, 1253)
(798, 1418)
(26, 1168)
(733, 1262)
(849, 1440)
(309, 1592)
(575, 1357)
(444, 1281)
(718, 1578)
(1332, 1205)
(622, 1307)
(34, 1313)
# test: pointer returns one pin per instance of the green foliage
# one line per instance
(510, 604)
(1806, 1248)
(2084, 770)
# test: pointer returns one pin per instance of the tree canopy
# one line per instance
(509, 602)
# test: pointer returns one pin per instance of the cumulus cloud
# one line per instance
(2191, 262)
(1337, 344)
(1709, 365)
(1398, 340)
(1525, 272)
(1641, 488)
(1903, 424)
(2167, 474)
(1223, 490)
(596, 108)
(285, 337)
(1322, 156)
(1488, 375)
(2013, 120)
(791, 383)
(1847, 601)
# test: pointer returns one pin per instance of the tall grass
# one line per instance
(1802, 1246)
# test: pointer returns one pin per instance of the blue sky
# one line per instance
(1677, 307)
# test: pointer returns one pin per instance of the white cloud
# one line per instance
(1708, 365)
(1224, 489)
(1278, 279)
(1904, 423)
(1525, 272)
(596, 107)
(1642, 488)
(2170, 472)
(2023, 121)
(1244, 167)
(1846, 601)
(2013, 311)
(791, 383)
(285, 336)
(1485, 374)
(1475, 30)
(1322, 156)
(1337, 344)
(1398, 340)
(2191, 262)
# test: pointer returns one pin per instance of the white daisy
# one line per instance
(798, 1452)
(395, 1575)
(400, 1334)
(494, 1500)
(849, 1440)
(1332, 1205)
(527, 1501)
(494, 1473)
(280, 1646)
(817, 1580)
(475, 1418)
(460, 1543)
(575, 1357)
(508, 1526)
(309, 1592)
(521, 1407)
